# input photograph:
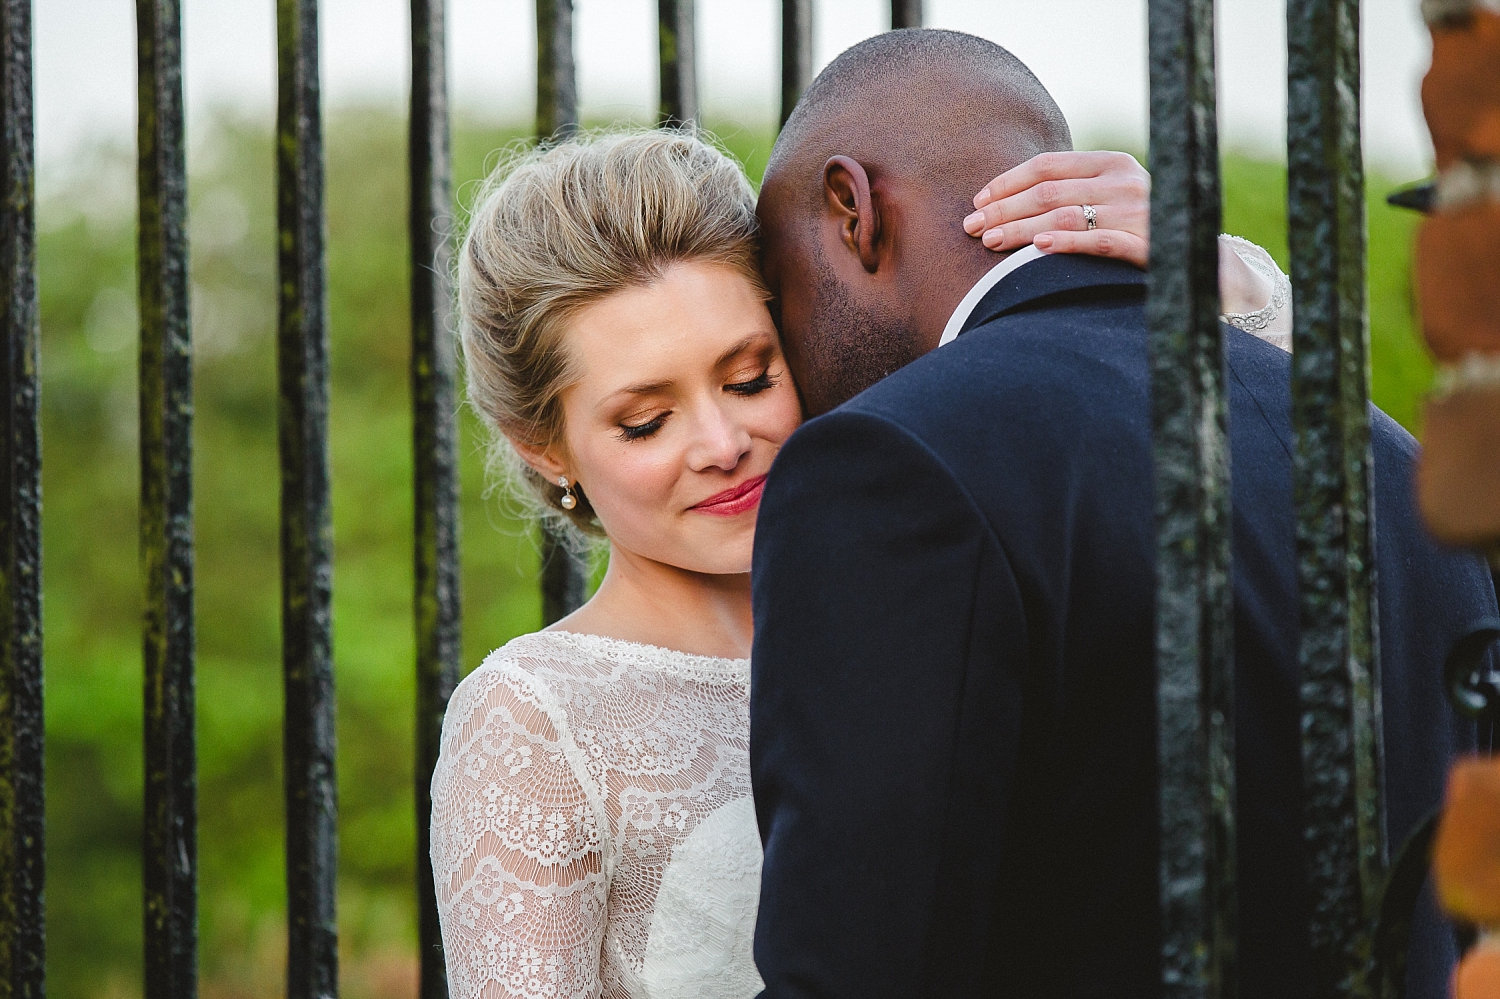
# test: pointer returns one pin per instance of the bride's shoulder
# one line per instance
(532, 671)
(551, 666)
(578, 656)
(542, 661)
(541, 657)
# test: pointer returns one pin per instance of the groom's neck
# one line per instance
(943, 272)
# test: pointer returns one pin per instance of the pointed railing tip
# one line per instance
(1420, 197)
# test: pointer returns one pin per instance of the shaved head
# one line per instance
(865, 192)
(903, 80)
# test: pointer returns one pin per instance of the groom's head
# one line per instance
(866, 190)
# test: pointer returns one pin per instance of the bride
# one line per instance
(592, 828)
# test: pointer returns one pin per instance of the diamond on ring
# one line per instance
(1090, 216)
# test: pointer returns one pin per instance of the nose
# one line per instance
(720, 441)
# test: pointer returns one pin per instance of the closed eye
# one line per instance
(638, 431)
(754, 386)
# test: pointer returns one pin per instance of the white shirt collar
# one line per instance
(996, 274)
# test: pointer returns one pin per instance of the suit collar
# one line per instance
(1050, 275)
(1006, 267)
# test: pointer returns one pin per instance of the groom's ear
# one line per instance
(846, 188)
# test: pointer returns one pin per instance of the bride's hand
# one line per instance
(1041, 201)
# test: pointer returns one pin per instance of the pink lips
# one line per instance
(733, 502)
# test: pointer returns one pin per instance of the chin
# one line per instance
(716, 555)
(717, 564)
(706, 549)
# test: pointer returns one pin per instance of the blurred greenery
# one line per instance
(92, 588)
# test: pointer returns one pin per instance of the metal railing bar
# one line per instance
(556, 76)
(679, 61)
(796, 53)
(906, 14)
(22, 830)
(1194, 603)
(306, 525)
(564, 577)
(434, 445)
(1341, 742)
(564, 580)
(170, 849)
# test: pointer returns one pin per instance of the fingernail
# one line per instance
(982, 198)
(974, 223)
(995, 238)
(1043, 242)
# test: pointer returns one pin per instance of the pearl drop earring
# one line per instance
(568, 501)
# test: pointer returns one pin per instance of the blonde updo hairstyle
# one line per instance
(554, 230)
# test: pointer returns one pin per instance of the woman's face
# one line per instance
(683, 402)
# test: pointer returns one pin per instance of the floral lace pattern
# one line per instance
(592, 830)
(1273, 323)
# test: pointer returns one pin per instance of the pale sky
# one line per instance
(1090, 53)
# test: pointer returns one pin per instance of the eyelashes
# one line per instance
(640, 431)
(754, 386)
(634, 432)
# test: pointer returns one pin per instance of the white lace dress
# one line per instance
(592, 828)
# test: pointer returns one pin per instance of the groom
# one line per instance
(953, 726)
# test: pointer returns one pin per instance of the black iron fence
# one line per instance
(1339, 656)
(22, 859)
(1339, 660)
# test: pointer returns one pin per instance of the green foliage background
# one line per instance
(92, 590)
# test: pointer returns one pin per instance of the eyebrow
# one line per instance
(747, 343)
(645, 388)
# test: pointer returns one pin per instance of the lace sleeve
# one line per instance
(517, 854)
(1274, 322)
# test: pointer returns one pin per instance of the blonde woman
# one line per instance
(592, 828)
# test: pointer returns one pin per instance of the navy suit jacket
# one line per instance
(953, 722)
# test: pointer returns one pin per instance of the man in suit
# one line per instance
(953, 725)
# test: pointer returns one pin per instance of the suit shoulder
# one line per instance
(852, 459)
(856, 441)
(1386, 435)
(1021, 384)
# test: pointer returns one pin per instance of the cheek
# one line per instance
(781, 414)
(629, 484)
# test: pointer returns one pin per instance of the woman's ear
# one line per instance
(846, 187)
(543, 461)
